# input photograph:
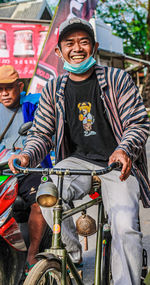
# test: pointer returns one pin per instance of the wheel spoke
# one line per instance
(50, 277)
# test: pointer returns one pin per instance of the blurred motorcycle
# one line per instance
(14, 214)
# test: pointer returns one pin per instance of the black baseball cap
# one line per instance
(75, 23)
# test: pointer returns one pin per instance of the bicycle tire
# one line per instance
(46, 272)
(106, 276)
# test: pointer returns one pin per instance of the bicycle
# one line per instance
(55, 264)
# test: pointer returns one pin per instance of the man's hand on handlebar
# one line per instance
(121, 156)
(24, 158)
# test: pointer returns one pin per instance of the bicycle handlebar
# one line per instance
(62, 171)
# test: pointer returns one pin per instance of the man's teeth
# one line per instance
(78, 57)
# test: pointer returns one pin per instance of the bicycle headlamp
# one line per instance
(47, 195)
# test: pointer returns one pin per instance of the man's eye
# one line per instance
(69, 44)
(84, 42)
(9, 87)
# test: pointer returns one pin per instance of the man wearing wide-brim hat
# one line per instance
(12, 111)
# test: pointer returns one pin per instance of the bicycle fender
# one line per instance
(48, 256)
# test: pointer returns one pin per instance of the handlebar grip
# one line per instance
(116, 164)
(16, 163)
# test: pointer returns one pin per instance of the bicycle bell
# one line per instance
(47, 194)
(85, 225)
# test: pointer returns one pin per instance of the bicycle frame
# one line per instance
(57, 248)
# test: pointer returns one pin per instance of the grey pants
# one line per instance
(121, 202)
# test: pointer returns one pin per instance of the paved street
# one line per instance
(89, 256)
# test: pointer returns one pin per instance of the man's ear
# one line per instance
(96, 47)
(21, 86)
(58, 52)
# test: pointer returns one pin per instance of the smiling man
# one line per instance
(98, 117)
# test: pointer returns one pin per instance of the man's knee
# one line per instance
(123, 223)
(36, 208)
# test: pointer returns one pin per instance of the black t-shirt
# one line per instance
(87, 126)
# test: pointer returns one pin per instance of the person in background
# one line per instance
(13, 114)
(99, 118)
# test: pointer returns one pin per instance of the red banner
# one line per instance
(20, 46)
(49, 65)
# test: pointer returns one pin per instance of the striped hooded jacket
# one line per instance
(124, 108)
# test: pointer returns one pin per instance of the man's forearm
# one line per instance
(36, 148)
(134, 140)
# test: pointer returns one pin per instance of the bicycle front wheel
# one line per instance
(46, 272)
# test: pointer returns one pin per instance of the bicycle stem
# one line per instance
(57, 218)
(99, 245)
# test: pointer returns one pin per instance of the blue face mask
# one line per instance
(80, 68)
